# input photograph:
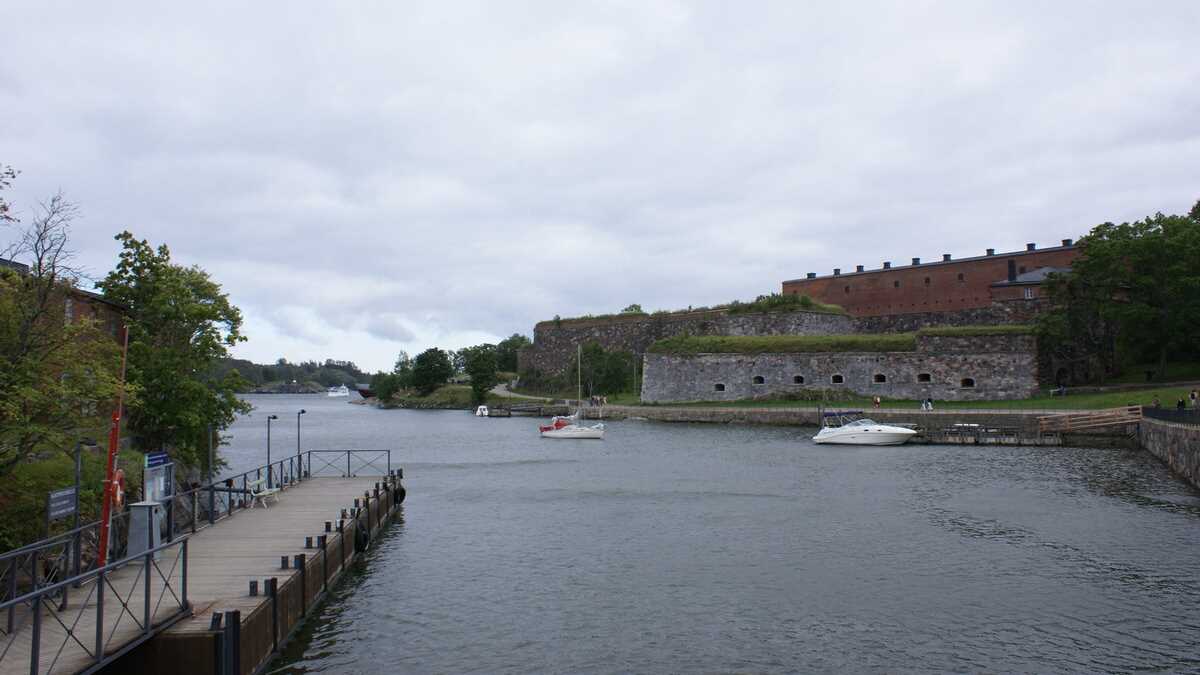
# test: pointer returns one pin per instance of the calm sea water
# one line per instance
(721, 548)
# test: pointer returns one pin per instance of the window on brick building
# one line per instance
(928, 281)
(896, 284)
(968, 383)
(847, 289)
(880, 378)
(837, 379)
(799, 379)
(924, 377)
(759, 379)
(1028, 293)
(718, 387)
(961, 277)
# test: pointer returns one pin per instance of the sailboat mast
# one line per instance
(579, 375)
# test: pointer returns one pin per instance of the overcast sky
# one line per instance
(365, 177)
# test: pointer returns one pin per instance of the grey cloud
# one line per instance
(397, 176)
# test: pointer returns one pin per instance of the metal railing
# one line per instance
(72, 553)
(350, 463)
(115, 608)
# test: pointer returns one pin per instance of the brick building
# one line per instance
(945, 285)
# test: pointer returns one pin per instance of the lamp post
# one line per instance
(299, 462)
(270, 483)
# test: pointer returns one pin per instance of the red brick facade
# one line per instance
(945, 285)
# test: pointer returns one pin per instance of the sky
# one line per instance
(370, 177)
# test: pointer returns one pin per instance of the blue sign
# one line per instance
(154, 459)
(61, 503)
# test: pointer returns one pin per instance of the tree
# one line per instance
(431, 369)
(58, 371)
(1134, 291)
(180, 324)
(633, 309)
(604, 372)
(7, 175)
(506, 352)
(480, 364)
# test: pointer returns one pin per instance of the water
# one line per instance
(721, 548)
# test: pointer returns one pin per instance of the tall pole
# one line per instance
(270, 482)
(114, 438)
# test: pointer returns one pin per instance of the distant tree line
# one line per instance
(330, 373)
(480, 365)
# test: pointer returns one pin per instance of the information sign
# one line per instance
(61, 503)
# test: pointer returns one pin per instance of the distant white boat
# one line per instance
(338, 391)
(568, 426)
(481, 411)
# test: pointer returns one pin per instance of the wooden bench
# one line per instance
(260, 493)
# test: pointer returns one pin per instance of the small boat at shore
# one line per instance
(851, 428)
(566, 427)
(338, 391)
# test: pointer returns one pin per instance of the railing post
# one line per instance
(324, 562)
(12, 591)
(146, 581)
(301, 562)
(389, 462)
(347, 464)
(99, 617)
(183, 583)
(233, 641)
(35, 648)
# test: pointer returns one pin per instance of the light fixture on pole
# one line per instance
(299, 468)
(270, 483)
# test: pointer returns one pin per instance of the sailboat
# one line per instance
(567, 426)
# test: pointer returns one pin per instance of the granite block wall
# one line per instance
(957, 369)
(1177, 445)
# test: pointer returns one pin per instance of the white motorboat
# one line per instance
(482, 411)
(338, 391)
(851, 428)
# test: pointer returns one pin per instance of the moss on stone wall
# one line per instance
(784, 344)
(976, 331)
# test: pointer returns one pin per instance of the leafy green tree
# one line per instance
(633, 309)
(480, 364)
(59, 371)
(180, 324)
(1135, 290)
(606, 372)
(7, 175)
(506, 352)
(431, 369)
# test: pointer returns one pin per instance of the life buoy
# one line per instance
(118, 493)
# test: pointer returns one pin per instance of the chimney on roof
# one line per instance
(1067, 242)
(837, 271)
(916, 261)
(945, 257)
(887, 265)
(812, 275)
(858, 268)
(991, 251)
(1030, 247)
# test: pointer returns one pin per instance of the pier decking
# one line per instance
(168, 625)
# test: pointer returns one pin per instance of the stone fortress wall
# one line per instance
(944, 368)
(553, 350)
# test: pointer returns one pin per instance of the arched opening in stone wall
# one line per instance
(837, 379)
(924, 377)
(880, 378)
(759, 379)
(798, 379)
(968, 383)
(718, 387)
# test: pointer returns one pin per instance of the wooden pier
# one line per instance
(221, 599)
